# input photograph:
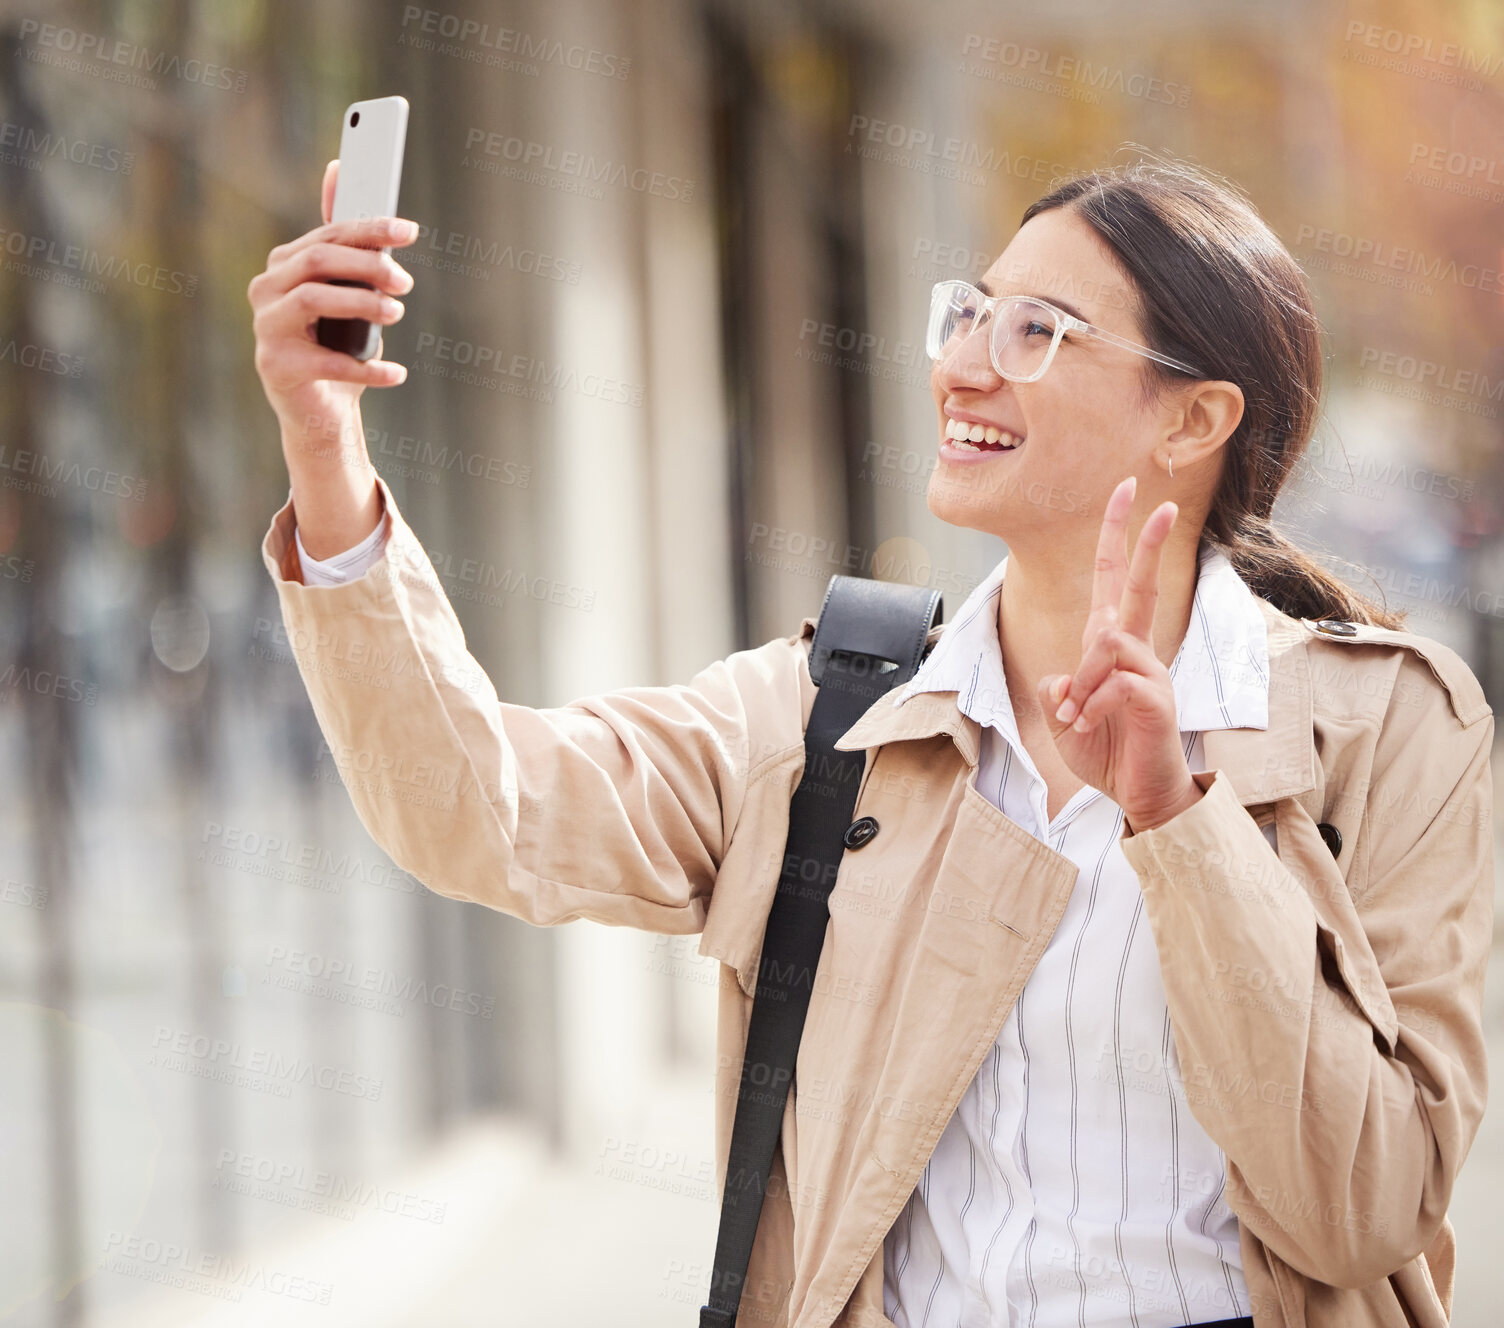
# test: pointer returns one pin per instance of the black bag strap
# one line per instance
(869, 639)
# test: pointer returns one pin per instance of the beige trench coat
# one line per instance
(1326, 1011)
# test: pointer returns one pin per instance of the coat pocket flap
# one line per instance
(1339, 928)
(1360, 975)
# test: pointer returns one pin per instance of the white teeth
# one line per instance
(969, 436)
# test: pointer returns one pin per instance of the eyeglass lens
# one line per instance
(1021, 329)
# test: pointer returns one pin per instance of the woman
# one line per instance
(1156, 998)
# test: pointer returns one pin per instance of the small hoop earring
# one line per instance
(1172, 465)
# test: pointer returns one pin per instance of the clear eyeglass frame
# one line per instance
(943, 292)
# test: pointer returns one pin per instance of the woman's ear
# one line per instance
(1209, 413)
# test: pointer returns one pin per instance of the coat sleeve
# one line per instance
(617, 808)
(1342, 1144)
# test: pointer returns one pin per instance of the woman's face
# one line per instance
(1083, 425)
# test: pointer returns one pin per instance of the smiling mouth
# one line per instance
(980, 438)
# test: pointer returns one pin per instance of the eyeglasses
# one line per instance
(1026, 332)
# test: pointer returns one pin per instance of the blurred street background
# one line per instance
(203, 1118)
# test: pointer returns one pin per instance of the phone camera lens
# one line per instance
(354, 119)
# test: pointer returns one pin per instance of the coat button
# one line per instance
(860, 832)
(1336, 627)
(1333, 837)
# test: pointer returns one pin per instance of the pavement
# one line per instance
(527, 1240)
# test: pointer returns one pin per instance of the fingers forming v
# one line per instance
(1110, 571)
(1141, 587)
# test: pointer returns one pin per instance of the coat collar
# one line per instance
(1261, 764)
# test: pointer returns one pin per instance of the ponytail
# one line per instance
(1216, 288)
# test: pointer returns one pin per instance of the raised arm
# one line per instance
(617, 808)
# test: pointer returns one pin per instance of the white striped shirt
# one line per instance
(1073, 1186)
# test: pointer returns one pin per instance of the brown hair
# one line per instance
(1216, 289)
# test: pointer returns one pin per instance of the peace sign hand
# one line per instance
(1116, 728)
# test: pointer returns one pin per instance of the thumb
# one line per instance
(326, 193)
(1051, 692)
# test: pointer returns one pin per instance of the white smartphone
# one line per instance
(370, 178)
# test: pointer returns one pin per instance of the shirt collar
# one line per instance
(1220, 674)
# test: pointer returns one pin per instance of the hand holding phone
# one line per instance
(339, 271)
(371, 145)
